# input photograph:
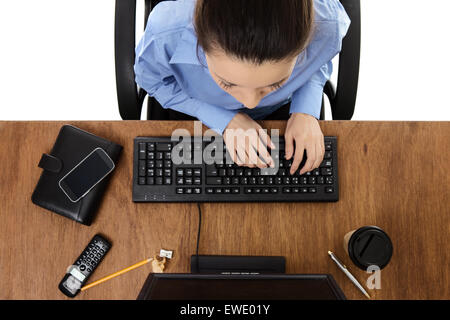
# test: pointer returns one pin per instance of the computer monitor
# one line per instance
(167, 286)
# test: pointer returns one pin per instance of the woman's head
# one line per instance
(252, 45)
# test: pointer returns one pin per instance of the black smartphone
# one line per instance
(86, 174)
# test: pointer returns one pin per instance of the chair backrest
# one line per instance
(130, 99)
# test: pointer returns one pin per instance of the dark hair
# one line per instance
(255, 31)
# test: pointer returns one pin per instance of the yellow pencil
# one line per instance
(116, 274)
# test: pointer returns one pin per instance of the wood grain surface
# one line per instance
(391, 174)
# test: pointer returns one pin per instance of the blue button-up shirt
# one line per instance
(167, 66)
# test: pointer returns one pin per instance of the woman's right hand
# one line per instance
(245, 139)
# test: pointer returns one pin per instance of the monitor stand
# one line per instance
(237, 264)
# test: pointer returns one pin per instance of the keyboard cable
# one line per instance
(198, 234)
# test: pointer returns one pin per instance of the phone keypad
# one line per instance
(92, 255)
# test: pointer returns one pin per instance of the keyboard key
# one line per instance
(197, 181)
(211, 171)
(227, 190)
(326, 163)
(142, 151)
(320, 180)
(142, 168)
(244, 180)
(286, 190)
(218, 190)
(180, 180)
(188, 190)
(150, 180)
(312, 190)
(150, 146)
(180, 172)
(295, 190)
(167, 172)
(256, 190)
(197, 172)
(214, 180)
(328, 147)
(329, 189)
(187, 180)
(273, 190)
(179, 190)
(248, 190)
(159, 156)
(209, 190)
(167, 180)
(303, 190)
(159, 180)
(197, 190)
(326, 171)
(160, 146)
(141, 180)
(236, 190)
(327, 155)
(329, 180)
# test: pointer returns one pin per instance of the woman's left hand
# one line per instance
(304, 129)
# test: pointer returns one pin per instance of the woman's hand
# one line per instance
(304, 129)
(245, 140)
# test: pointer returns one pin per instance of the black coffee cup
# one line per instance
(368, 246)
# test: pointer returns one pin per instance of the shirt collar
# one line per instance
(185, 51)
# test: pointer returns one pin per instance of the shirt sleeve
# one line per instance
(308, 98)
(154, 75)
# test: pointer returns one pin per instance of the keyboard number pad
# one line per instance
(154, 164)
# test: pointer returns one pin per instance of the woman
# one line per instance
(229, 63)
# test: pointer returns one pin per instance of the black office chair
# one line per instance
(342, 98)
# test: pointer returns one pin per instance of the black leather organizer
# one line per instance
(71, 146)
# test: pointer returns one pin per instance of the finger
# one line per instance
(298, 157)
(254, 158)
(242, 155)
(319, 155)
(265, 138)
(311, 152)
(289, 146)
(264, 154)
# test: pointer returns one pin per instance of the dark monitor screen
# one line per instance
(167, 286)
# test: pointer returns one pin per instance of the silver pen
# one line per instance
(348, 274)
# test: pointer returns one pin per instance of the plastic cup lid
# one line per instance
(370, 246)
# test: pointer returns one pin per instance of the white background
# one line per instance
(57, 60)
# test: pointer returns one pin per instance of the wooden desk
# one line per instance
(391, 174)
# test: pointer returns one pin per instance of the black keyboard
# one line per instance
(200, 170)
